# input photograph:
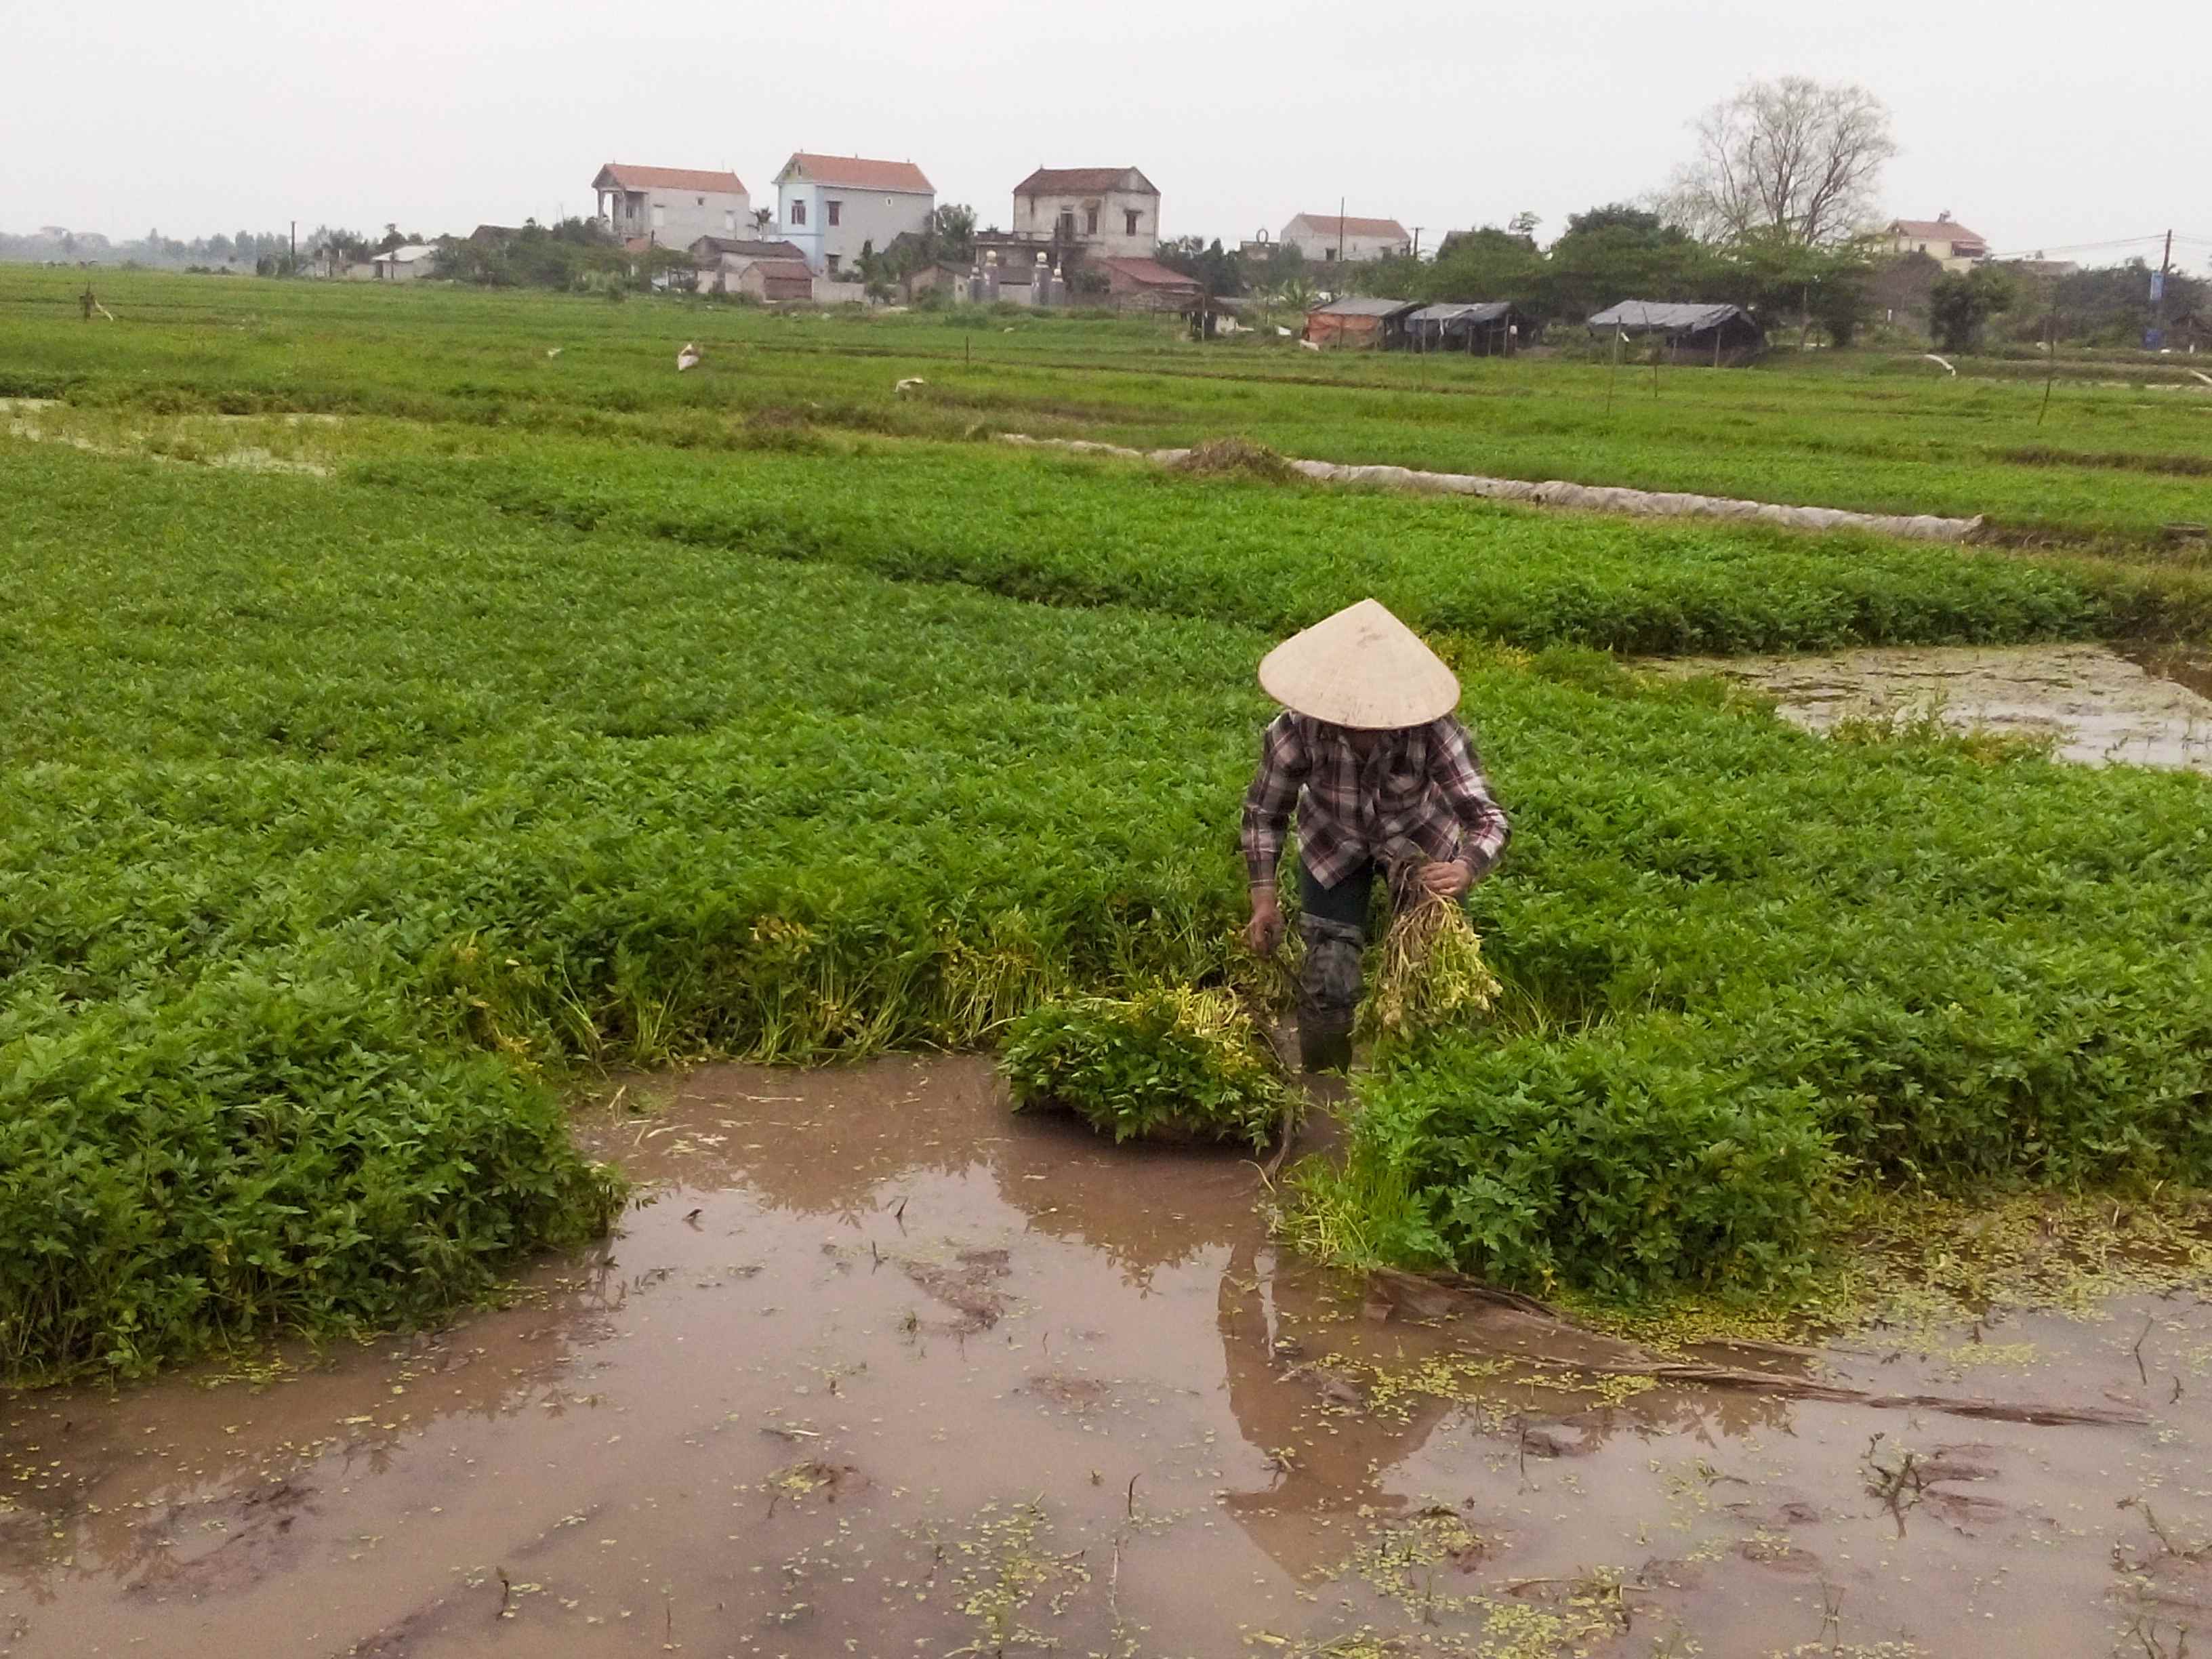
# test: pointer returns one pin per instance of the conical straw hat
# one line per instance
(1361, 668)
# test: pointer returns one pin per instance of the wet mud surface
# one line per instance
(2095, 706)
(876, 1368)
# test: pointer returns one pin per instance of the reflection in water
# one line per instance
(881, 1368)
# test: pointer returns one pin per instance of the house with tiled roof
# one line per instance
(1326, 238)
(1097, 211)
(832, 207)
(669, 207)
(1942, 238)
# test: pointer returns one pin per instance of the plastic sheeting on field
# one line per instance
(1589, 498)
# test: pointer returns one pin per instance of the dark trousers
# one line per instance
(1346, 902)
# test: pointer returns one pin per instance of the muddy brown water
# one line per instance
(877, 1368)
(2092, 705)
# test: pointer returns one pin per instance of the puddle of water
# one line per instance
(2095, 705)
(881, 1369)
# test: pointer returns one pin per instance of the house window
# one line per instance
(1129, 221)
(1328, 254)
(729, 218)
(798, 213)
(702, 201)
(1091, 221)
(1066, 229)
(832, 260)
(660, 216)
(831, 208)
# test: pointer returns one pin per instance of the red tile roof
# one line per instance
(1328, 222)
(791, 270)
(1147, 273)
(1936, 230)
(858, 172)
(636, 178)
(1083, 181)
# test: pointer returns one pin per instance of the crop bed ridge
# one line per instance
(1559, 492)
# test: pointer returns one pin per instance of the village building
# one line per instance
(1134, 284)
(670, 207)
(1096, 212)
(1358, 320)
(1942, 238)
(1721, 335)
(1327, 238)
(833, 207)
(767, 269)
(406, 264)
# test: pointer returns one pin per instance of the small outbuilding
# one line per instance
(1136, 284)
(402, 265)
(1484, 328)
(770, 279)
(1690, 333)
(1357, 320)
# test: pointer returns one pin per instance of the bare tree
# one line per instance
(1791, 160)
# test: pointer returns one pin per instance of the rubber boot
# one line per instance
(1328, 994)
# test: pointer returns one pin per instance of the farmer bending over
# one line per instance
(1385, 781)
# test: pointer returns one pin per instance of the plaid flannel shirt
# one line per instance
(1423, 783)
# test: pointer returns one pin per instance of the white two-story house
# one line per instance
(671, 207)
(1112, 212)
(831, 207)
(1325, 238)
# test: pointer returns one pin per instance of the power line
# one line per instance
(2086, 247)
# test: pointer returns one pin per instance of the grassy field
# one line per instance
(365, 775)
(2107, 465)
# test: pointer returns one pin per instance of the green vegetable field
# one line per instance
(397, 716)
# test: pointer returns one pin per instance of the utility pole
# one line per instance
(1417, 242)
(1340, 230)
(2154, 336)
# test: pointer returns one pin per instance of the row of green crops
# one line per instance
(339, 815)
(2105, 464)
(1073, 530)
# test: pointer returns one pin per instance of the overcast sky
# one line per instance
(2038, 124)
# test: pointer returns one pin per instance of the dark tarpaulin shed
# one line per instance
(1484, 328)
(1692, 333)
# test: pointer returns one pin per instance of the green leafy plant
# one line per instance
(1167, 1061)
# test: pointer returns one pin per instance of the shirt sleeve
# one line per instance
(1457, 773)
(1283, 763)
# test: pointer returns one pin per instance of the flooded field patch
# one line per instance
(878, 1367)
(2091, 704)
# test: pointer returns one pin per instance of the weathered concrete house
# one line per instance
(831, 207)
(1326, 238)
(1135, 284)
(1095, 212)
(722, 260)
(671, 207)
(1942, 238)
(402, 265)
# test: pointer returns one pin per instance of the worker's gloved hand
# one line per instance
(1447, 878)
(1265, 931)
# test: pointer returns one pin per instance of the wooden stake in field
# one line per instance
(2050, 365)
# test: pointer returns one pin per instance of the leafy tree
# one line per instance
(1960, 303)
(1212, 266)
(1792, 159)
(1618, 253)
(1488, 264)
(952, 234)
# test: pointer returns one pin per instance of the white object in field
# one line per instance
(1008, 329)
(1941, 364)
(552, 351)
(1280, 330)
(908, 385)
(687, 358)
(2202, 375)
(1310, 345)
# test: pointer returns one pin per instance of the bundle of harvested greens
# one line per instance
(1430, 971)
(1169, 1061)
